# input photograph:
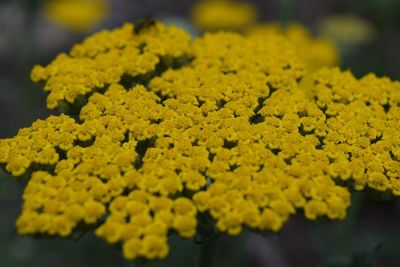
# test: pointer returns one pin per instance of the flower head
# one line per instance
(169, 129)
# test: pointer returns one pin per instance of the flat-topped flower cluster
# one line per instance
(158, 129)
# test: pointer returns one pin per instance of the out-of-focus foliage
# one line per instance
(347, 29)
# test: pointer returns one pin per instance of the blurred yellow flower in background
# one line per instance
(317, 52)
(76, 15)
(215, 15)
(347, 29)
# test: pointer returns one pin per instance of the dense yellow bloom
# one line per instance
(317, 52)
(226, 125)
(105, 58)
(213, 15)
(76, 15)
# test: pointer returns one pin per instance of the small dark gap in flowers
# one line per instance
(386, 107)
(156, 121)
(257, 118)
(385, 172)
(392, 155)
(331, 160)
(126, 138)
(275, 151)
(211, 156)
(143, 24)
(328, 116)
(62, 154)
(221, 103)
(39, 167)
(321, 143)
(233, 167)
(367, 103)
(162, 98)
(141, 149)
(261, 167)
(230, 144)
(341, 101)
(349, 156)
(287, 67)
(195, 142)
(272, 89)
(376, 139)
(349, 183)
(127, 81)
(324, 108)
(226, 72)
(141, 48)
(289, 160)
(167, 62)
(86, 143)
(302, 113)
(304, 132)
(73, 109)
(261, 101)
(199, 101)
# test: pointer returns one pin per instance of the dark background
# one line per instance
(370, 236)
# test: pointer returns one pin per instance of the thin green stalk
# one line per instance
(347, 227)
(207, 253)
(287, 11)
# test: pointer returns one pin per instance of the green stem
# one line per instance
(347, 227)
(287, 11)
(207, 253)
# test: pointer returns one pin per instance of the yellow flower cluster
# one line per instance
(362, 139)
(107, 57)
(220, 15)
(317, 52)
(236, 129)
(76, 15)
(214, 15)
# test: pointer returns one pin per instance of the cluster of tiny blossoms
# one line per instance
(167, 131)
(317, 52)
(222, 15)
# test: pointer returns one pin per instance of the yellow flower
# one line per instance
(131, 248)
(93, 212)
(317, 52)
(76, 15)
(227, 126)
(214, 15)
(154, 247)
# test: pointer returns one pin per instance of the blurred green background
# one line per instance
(370, 236)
